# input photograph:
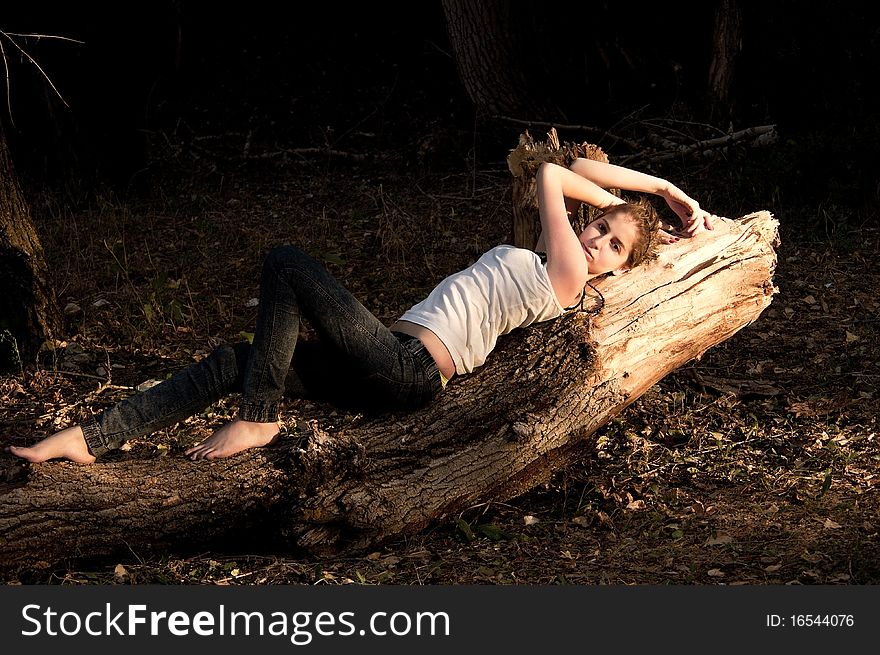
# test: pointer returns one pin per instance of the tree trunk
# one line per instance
(491, 435)
(727, 43)
(28, 309)
(494, 64)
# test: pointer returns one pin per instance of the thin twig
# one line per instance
(105, 381)
(314, 151)
(233, 577)
(77, 374)
(278, 153)
(8, 84)
(46, 36)
(628, 116)
(575, 128)
(38, 67)
(664, 119)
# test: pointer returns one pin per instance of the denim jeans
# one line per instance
(356, 362)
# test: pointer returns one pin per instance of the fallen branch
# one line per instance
(760, 136)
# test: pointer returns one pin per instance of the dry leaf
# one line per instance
(810, 557)
(582, 521)
(772, 568)
(831, 525)
(120, 572)
(719, 538)
(850, 337)
(635, 505)
(716, 573)
(528, 519)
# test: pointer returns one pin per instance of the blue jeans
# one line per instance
(356, 362)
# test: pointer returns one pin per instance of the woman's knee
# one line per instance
(281, 256)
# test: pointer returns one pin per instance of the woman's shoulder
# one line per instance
(508, 250)
(516, 258)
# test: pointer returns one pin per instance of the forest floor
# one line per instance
(756, 465)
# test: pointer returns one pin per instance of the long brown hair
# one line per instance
(647, 222)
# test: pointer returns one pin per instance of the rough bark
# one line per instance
(494, 63)
(726, 46)
(28, 310)
(491, 436)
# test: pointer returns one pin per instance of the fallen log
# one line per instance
(491, 435)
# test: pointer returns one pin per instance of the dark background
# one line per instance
(317, 74)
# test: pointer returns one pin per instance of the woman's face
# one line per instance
(608, 241)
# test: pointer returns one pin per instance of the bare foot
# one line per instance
(235, 437)
(67, 444)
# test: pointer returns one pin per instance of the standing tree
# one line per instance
(561, 62)
(727, 43)
(28, 309)
(495, 59)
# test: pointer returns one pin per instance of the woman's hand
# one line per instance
(693, 217)
(668, 233)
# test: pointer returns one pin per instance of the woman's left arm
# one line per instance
(566, 265)
(611, 176)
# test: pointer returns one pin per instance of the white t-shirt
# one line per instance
(505, 289)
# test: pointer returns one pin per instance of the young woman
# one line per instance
(359, 361)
